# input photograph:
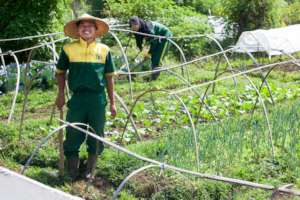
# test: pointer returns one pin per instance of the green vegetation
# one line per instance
(181, 20)
(232, 142)
(255, 14)
(19, 18)
(236, 146)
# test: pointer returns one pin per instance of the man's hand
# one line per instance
(113, 110)
(60, 100)
(147, 56)
(61, 81)
(145, 53)
(110, 92)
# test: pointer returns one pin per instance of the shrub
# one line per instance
(254, 14)
(23, 18)
(292, 13)
(203, 6)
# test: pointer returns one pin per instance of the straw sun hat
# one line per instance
(71, 28)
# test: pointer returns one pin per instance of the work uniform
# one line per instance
(158, 47)
(88, 65)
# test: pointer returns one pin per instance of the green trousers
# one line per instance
(158, 50)
(88, 108)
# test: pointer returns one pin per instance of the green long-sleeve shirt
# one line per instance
(158, 29)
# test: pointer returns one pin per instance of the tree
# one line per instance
(292, 15)
(203, 6)
(32, 17)
(253, 14)
(98, 8)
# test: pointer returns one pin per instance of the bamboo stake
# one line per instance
(61, 149)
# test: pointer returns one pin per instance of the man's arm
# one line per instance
(110, 72)
(110, 91)
(61, 82)
(61, 68)
(139, 41)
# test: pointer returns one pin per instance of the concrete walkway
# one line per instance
(14, 186)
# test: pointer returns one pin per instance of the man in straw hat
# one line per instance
(90, 69)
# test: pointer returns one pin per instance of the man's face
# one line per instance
(87, 30)
(135, 27)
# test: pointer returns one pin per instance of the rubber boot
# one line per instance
(91, 165)
(72, 166)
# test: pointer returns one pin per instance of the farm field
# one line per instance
(237, 145)
(221, 121)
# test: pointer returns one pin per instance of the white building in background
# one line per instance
(276, 41)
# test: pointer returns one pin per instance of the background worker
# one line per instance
(158, 46)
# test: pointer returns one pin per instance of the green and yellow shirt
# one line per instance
(88, 65)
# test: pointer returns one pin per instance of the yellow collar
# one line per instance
(84, 44)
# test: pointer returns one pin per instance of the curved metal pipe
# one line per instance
(29, 48)
(181, 37)
(175, 66)
(182, 55)
(193, 129)
(52, 47)
(185, 108)
(26, 91)
(261, 85)
(224, 54)
(17, 87)
(126, 62)
(262, 103)
(181, 170)
(195, 91)
(265, 81)
(202, 99)
(3, 62)
(30, 37)
(222, 50)
(127, 112)
(228, 77)
(132, 174)
(45, 140)
(266, 115)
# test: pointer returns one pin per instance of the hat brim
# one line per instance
(71, 28)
